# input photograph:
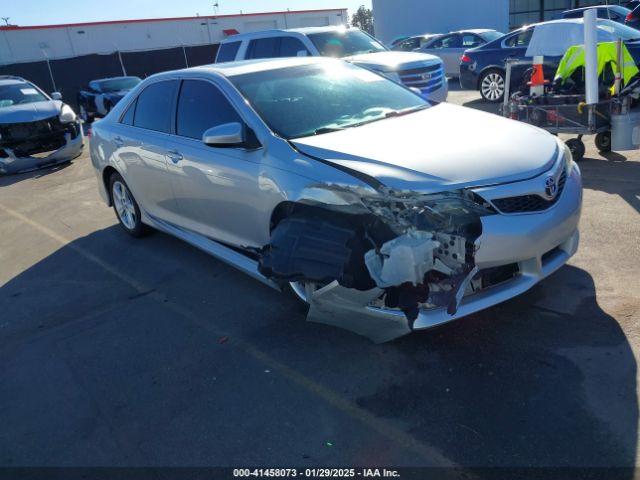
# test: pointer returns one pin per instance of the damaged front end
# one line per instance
(355, 253)
(31, 145)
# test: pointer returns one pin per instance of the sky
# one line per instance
(44, 12)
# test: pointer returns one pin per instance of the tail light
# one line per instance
(629, 17)
(465, 59)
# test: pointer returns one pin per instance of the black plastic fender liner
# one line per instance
(319, 244)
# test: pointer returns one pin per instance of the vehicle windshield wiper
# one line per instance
(398, 113)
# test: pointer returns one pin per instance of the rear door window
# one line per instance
(292, 47)
(227, 52)
(264, 48)
(202, 105)
(449, 41)
(469, 40)
(154, 106)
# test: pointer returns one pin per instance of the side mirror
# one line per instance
(56, 95)
(225, 135)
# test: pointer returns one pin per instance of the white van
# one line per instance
(417, 70)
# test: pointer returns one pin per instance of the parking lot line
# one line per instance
(427, 453)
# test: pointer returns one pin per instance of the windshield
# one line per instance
(19, 93)
(344, 43)
(117, 84)
(316, 99)
(491, 35)
(618, 30)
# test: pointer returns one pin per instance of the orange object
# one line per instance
(537, 77)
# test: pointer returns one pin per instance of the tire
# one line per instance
(577, 148)
(603, 142)
(492, 85)
(126, 208)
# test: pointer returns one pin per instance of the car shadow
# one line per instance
(527, 383)
(6, 180)
(613, 174)
(522, 383)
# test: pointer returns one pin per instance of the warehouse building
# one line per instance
(395, 18)
(66, 57)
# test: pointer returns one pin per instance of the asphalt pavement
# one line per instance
(123, 352)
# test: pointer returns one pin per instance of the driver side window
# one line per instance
(201, 105)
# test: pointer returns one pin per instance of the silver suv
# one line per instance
(416, 70)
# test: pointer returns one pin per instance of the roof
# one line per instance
(114, 78)
(170, 19)
(230, 69)
(280, 31)
(11, 80)
(593, 6)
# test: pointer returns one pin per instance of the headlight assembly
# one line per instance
(67, 114)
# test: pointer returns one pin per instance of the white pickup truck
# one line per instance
(416, 70)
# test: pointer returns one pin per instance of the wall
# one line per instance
(393, 18)
(29, 44)
(72, 74)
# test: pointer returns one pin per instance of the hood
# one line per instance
(393, 61)
(443, 146)
(30, 112)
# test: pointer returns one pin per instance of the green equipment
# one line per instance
(607, 55)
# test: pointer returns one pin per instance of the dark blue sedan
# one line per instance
(483, 68)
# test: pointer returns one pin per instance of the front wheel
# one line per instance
(492, 86)
(126, 207)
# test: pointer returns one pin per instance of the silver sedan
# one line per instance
(382, 212)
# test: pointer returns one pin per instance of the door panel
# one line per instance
(216, 189)
(142, 146)
(142, 160)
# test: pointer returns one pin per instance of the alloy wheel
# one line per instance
(124, 205)
(492, 86)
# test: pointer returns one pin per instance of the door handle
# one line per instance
(118, 141)
(175, 156)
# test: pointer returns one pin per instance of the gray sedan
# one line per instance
(382, 212)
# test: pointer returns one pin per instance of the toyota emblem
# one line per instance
(551, 187)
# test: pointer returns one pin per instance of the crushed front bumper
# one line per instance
(11, 163)
(537, 243)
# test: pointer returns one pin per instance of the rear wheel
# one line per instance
(126, 207)
(603, 142)
(492, 85)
